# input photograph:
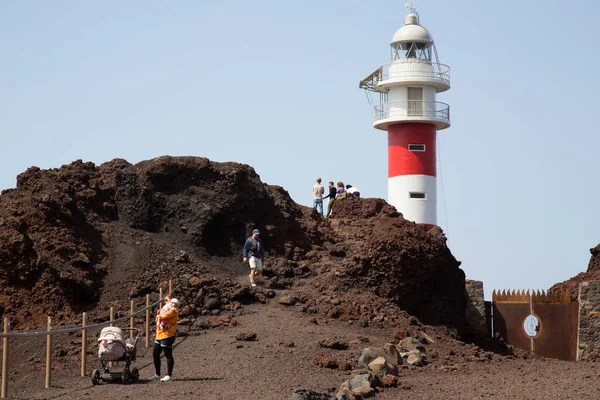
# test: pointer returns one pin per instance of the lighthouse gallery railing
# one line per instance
(435, 110)
(407, 70)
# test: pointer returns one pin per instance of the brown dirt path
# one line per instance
(211, 366)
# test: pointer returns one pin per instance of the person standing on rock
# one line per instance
(318, 191)
(352, 191)
(166, 331)
(254, 253)
(331, 197)
(341, 192)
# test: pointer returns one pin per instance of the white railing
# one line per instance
(418, 70)
(418, 109)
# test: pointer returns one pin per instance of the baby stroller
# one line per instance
(113, 346)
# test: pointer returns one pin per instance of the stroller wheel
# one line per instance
(135, 375)
(95, 377)
(126, 376)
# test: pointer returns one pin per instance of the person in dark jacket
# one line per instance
(331, 197)
(254, 253)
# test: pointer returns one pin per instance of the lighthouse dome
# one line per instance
(411, 32)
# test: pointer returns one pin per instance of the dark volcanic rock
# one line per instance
(246, 336)
(58, 225)
(218, 203)
(81, 235)
(333, 343)
(401, 261)
(354, 207)
(592, 274)
(51, 241)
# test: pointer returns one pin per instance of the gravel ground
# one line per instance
(214, 365)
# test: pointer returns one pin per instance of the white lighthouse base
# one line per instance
(415, 196)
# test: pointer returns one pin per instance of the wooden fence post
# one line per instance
(111, 317)
(49, 353)
(83, 344)
(131, 320)
(160, 297)
(147, 320)
(170, 288)
(5, 361)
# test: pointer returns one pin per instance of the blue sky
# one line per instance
(275, 85)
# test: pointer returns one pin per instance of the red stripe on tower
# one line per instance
(402, 160)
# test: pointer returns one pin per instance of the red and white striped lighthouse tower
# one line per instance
(410, 113)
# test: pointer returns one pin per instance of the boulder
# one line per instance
(363, 392)
(358, 387)
(414, 358)
(221, 320)
(389, 352)
(302, 394)
(359, 380)
(345, 394)
(332, 343)
(410, 343)
(426, 338)
(212, 303)
(182, 257)
(326, 361)
(389, 381)
(369, 354)
(393, 355)
(246, 336)
(381, 367)
(288, 300)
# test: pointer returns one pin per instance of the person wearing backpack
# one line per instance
(254, 253)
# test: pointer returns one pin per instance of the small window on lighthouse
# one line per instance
(416, 147)
(417, 195)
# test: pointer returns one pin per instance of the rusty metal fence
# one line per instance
(541, 322)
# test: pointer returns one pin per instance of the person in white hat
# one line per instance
(166, 331)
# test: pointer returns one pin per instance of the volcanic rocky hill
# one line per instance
(592, 273)
(82, 236)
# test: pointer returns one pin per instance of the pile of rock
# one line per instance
(379, 370)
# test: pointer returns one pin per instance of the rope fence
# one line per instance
(49, 332)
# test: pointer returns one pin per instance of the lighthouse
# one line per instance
(410, 113)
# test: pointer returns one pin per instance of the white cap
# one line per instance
(411, 19)
(175, 301)
(412, 33)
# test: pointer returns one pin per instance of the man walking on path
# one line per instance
(254, 253)
(318, 191)
(331, 197)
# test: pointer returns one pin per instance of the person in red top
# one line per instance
(166, 331)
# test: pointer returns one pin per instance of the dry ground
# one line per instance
(214, 365)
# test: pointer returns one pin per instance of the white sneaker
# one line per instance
(167, 378)
(252, 284)
(153, 377)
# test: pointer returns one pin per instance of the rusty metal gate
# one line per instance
(540, 322)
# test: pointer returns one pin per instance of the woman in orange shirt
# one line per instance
(166, 331)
